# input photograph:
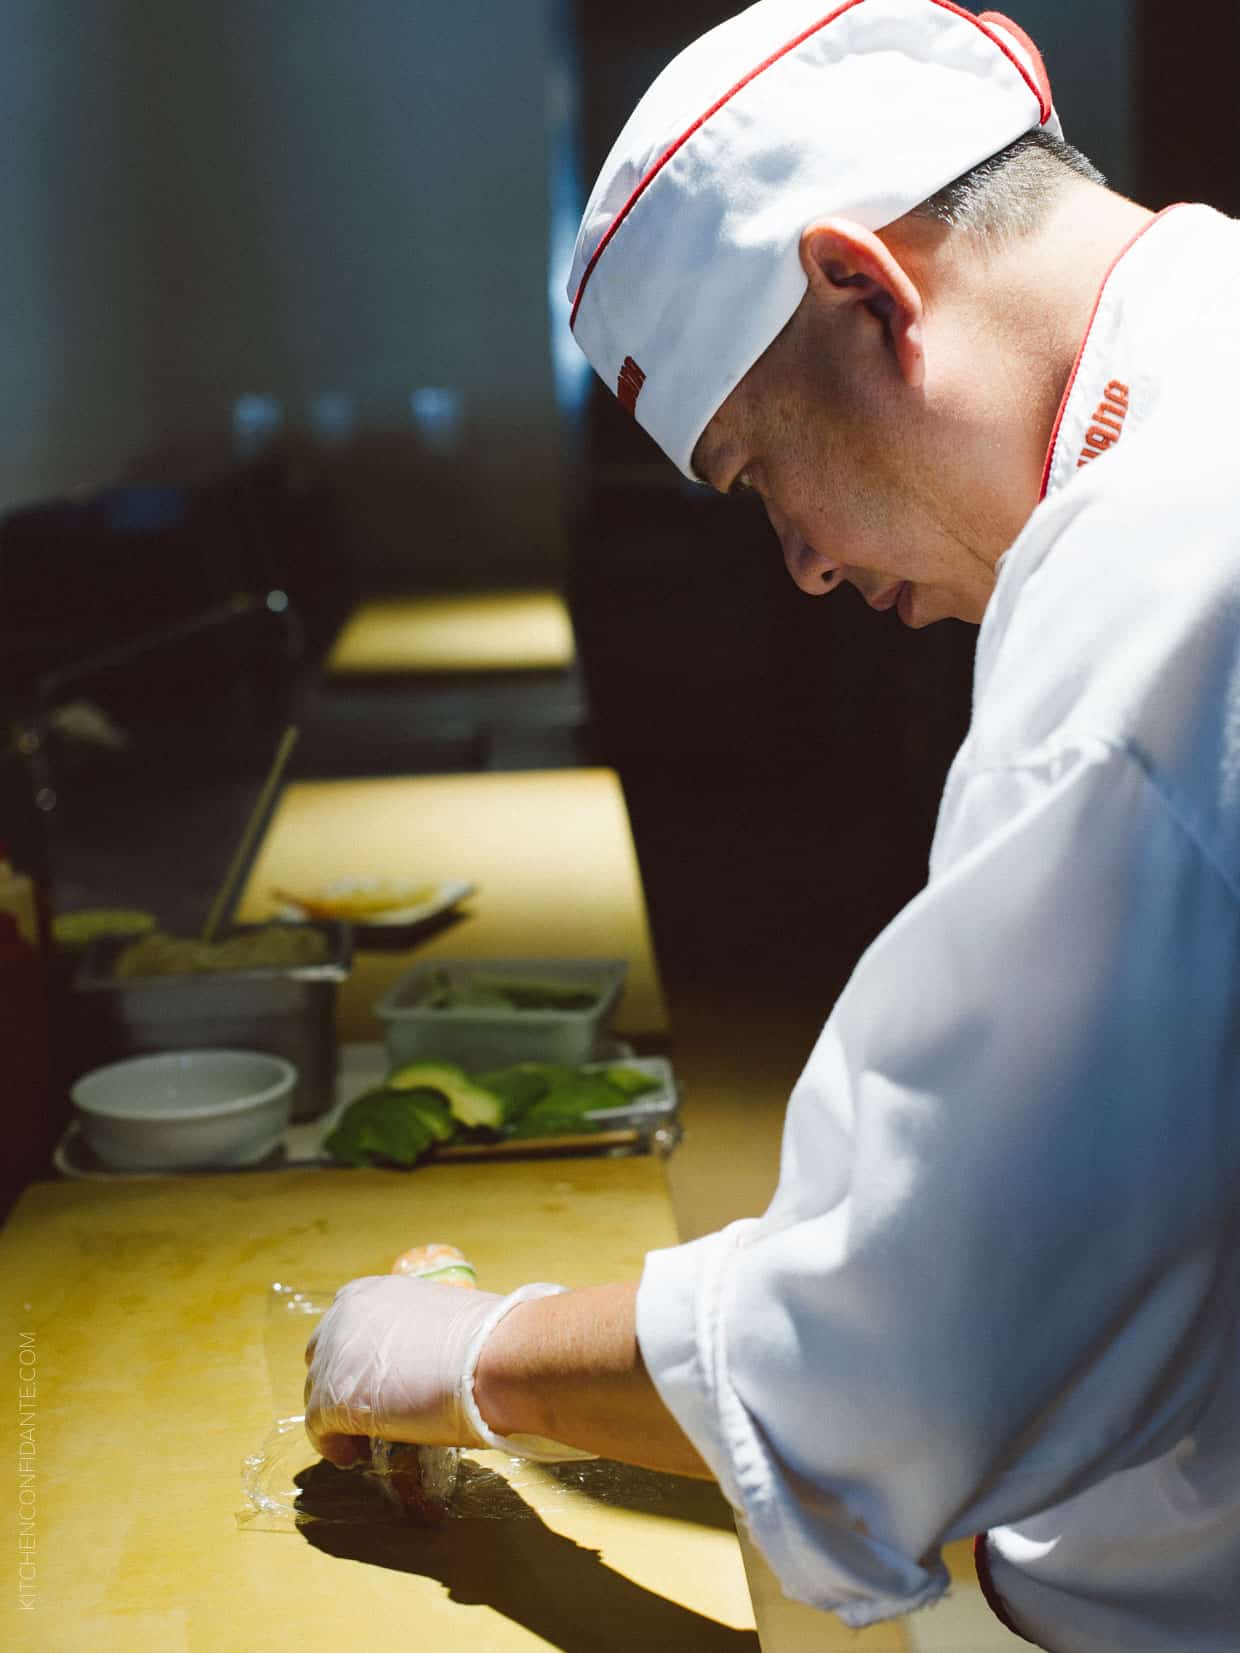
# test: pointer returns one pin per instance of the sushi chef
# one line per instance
(843, 260)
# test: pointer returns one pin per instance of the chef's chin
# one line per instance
(919, 606)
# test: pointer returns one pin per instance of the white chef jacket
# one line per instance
(998, 1286)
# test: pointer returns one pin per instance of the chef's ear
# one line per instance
(848, 265)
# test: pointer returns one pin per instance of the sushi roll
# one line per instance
(422, 1478)
(443, 1263)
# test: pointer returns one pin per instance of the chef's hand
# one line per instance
(394, 1358)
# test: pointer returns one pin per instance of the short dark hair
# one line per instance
(1008, 193)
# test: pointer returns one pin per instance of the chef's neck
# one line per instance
(1008, 314)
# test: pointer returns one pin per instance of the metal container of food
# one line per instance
(288, 1010)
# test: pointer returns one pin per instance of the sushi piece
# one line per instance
(443, 1263)
(421, 1479)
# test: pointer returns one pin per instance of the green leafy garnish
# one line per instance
(566, 1108)
(483, 991)
(546, 1119)
(426, 1103)
(381, 1127)
(632, 1081)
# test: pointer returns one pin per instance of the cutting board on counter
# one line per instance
(530, 842)
(144, 1306)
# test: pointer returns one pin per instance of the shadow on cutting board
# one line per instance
(511, 1561)
(645, 1491)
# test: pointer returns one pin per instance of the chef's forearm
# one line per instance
(569, 1368)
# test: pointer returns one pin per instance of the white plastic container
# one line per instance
(479, 1038)
(186, 1109)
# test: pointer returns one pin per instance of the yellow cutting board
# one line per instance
(139, 1310)
(455, 631)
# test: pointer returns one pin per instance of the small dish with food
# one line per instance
(382, 909)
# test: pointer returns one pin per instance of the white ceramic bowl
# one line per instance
(185, 1109)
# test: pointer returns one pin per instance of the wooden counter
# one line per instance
(145, 1307)
(549, 851)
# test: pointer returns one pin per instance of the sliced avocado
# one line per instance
(517, 1088)
(430, 1076)
(433, 1111)
(467, 1102)
(475, 1108)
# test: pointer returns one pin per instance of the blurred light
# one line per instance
(439, 417)
(277, 601)
(569, 365)
(333, 417)
(256, 422)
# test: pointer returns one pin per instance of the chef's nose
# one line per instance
(825, 577)
(811, 572)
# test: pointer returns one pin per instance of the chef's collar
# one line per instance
(1107, 393)
(1129, 350)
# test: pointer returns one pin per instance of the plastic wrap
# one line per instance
(286, 1485)
(284, 1481)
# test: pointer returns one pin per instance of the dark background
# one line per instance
(308, 199)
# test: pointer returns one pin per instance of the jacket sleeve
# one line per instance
(988, 1278)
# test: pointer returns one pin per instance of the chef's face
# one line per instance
(867, 466)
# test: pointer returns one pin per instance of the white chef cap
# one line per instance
(687, 263)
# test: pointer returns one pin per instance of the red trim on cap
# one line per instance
(645, 183)
(999, 21)
(1076, 366)
(981, 1562)
(1040, 89)
(1044, 102)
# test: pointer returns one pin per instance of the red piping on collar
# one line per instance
(1076, 366)
(1038, 85)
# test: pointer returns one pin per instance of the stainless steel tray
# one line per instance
(289, 1011)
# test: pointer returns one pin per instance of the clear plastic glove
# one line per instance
(394, 1357)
